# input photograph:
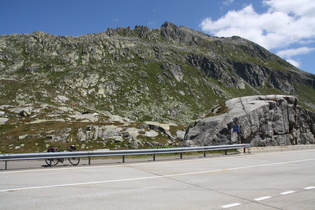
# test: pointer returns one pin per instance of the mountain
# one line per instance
(172, 74)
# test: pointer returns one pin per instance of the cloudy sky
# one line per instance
(285, 27)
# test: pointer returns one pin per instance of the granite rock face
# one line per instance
(259, 120)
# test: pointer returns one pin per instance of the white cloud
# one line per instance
(288, 53)
(228, 2)
(305, 8)
(283, 24)
(294, 62)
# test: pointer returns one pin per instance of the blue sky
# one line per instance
(286, 28)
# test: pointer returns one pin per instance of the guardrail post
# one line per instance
(181, 155)
(89, 160)
(123, 158)
(244, 150)
(50, 160)
(153, 157)
(5, 165)
(204, 154)
(225, 152)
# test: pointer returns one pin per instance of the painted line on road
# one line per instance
(309, 188)
(287, 192)
(230, 205)
(81, 183)
(262, 198)
(270, 164)
(154, 177)
(108, 181)
(265, 197)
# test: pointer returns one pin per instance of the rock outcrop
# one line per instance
(259, 120)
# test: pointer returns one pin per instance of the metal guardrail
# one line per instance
(123, 153)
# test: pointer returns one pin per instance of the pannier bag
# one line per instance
(52, 149)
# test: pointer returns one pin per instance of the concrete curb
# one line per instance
(280, 148)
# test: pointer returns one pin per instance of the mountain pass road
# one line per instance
(265, 180)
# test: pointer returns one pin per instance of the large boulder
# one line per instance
(258, 120)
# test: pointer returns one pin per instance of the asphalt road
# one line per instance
(265, 180)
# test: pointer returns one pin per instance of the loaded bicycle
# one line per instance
(54, 161)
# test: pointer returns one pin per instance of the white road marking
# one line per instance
(270, 164)
(62, 168)
(287, 192)
(108, 181)
(154, 177)
(309, 188)
(230, 205)
(265, 197)
(262, 198)
(76, 184)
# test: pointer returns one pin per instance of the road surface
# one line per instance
(265, 180)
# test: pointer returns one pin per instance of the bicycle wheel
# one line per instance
(74, 161)
(52, 162)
